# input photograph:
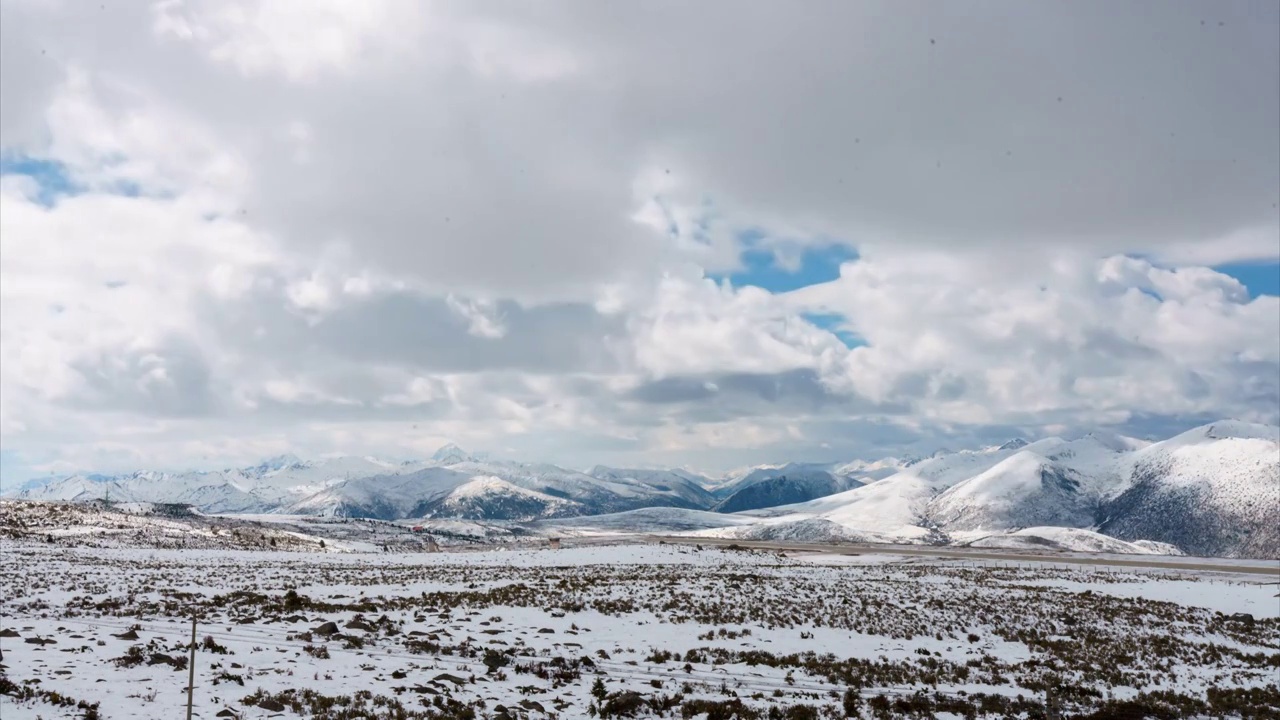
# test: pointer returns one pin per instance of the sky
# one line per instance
(704, 235)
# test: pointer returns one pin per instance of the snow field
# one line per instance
(532, 630)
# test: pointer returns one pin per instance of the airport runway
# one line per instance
(1259, 567)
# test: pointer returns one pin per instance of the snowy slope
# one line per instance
(300, 479)
(893, 507)
(615, 493)
(745, 478)
(490, 498)
(1066, 539)
(1025, 489)
(1214, 490)
(385, 497)
(869, 471)
(773, 485)
(687, 487)
(273, 484)
(212, 492)
(647, 520)
(785, 489)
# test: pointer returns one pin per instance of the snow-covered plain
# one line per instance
(619, 630)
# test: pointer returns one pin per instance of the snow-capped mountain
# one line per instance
(383, 496)
(869, 471)
(486, 498)
(452, 483)
(451, 455)
(689, 488)
(785, 485)
(741, 479)
(1025, 489)
(267, 487)
(1214, 490)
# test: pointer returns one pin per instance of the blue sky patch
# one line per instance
(13, 470)
(1260, 278)
(836, 324)
(52, 176)
(761, 268)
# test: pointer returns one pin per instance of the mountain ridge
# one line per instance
(1213, 490)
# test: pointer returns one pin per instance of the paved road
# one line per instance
(1202, 564)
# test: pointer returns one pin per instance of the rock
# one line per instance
(1244, 618)
(446, 677)
(158, 658)
(358, 625)
(227, 712)
(130, 635)
(271, 705)
(329, 628)
(8, 633)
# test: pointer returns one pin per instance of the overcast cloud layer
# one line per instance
(233, 228)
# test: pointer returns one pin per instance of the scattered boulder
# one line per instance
(1243, 618)
(158, 658)
(329, 628)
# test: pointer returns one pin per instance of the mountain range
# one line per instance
(1213, 490)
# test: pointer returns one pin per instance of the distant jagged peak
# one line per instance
(451, 454)
(279, 462)
(1014, 444)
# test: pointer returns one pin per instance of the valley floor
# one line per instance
(622, 631)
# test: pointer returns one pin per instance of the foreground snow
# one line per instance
(679, 631)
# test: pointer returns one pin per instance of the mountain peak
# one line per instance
(451, 454)
(1014, 444)
(279, 462)
(1238, 429)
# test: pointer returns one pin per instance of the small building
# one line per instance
(554, 543)
(419, 529)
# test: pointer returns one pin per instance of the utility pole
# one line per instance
(1052, 709)
(191, 667)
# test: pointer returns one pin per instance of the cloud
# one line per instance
(371, 227)
(1094, 339)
